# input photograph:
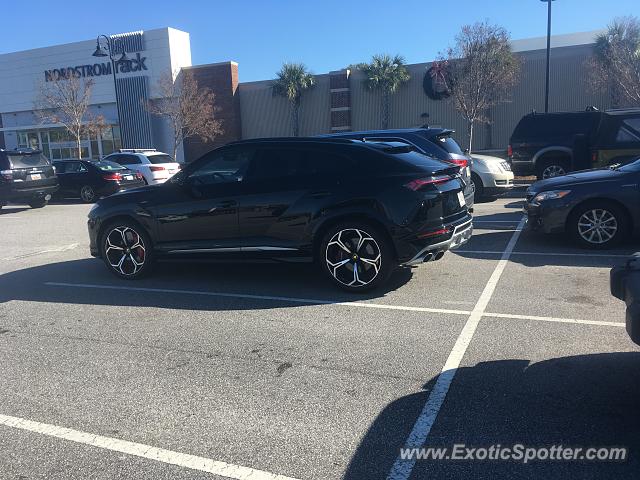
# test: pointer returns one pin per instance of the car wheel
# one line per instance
(126, 250)
(38, 203)
(88, 194)
(598, 225)
(478, 187)
(356, 256)
(552, 168)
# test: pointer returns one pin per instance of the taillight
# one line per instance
(594, 157)
(6, 174)
(112, 176)
(155, 168)
(139, 176)
(418, 183)
(509, 151)
(434, 233)
(460, 162)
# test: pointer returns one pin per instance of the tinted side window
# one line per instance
(75, 167)
(225, 166)
(272, 163)
(60, 167)
(126, 159)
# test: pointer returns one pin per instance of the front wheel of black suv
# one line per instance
(38, 203)
(126, 250)
(356, 256)
(598, 225)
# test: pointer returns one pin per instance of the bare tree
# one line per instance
(615, 64)
(65, 100)
(482, 70)
(190, 110)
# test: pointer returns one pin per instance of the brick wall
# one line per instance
(222, 79)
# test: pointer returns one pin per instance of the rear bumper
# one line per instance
(523, 168)
(461, 233)
(9, 193)
(115, 187)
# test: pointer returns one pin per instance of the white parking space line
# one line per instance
(548, 254)
(498, 221)
(401, 469)
(311, 302)
(260, 297)
(63, 248)
(185, 460)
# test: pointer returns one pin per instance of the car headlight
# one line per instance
(550, 195)
(494, 167)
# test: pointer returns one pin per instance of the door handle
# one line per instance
(225, 204)
(320, 194)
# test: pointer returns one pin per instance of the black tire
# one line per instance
(133, 262)
(478, 187)
(38, 203)
(552, 167)
(611, 218)
(364, 268)
(87, 194)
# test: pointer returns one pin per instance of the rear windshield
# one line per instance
(448, 144)
(27, 161)
(108, 166)
(419, 160)
(161, 159)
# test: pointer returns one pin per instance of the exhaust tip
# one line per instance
(439, 255)
(428, 257)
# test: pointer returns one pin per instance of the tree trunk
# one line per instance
(294, 119)
(79, 145)
(385, 110)
(470, 132)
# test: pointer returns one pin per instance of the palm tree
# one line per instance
(387, 74)
(293, 79)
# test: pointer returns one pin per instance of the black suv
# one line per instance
(357, 208)
(26, 176)
(435, 142)
(552, 144)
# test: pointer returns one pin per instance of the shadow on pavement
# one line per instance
(303, 281)
(580, 401)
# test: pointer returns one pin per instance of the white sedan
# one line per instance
(156, 167)
(491, 176)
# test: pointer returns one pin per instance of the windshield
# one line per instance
(28, 161)
(634, 166)
(108, 166)
(161, 159)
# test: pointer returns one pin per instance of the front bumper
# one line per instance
(461, 234)
(497, 183)
(547, 217)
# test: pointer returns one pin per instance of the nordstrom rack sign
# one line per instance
(135, 64)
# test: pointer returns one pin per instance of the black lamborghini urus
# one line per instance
(358, 209)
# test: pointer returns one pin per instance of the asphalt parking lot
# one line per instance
(265, 371)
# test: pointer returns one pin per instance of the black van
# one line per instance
(26, 176)
(552, 144)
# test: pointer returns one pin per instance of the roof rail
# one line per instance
(136, 150)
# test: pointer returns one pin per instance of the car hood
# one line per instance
(576, 178)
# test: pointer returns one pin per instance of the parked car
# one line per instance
(357, 208)
(598, 208)
(624, 282)
(155, 167)
(26, 176)
(491, 176)
(92, 180)
(551, 144)
(435, 142)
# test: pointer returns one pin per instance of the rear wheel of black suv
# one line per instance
(356, 256)
(38, 203)
(552, 167)
(126, 249)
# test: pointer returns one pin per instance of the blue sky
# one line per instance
(325, 35)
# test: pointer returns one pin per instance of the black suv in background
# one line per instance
(357, 208)
(435, 142)
(552, 144)
(26, 176)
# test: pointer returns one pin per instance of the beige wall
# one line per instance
(264, 115)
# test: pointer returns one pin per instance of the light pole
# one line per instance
(546, 87)
(101, 51)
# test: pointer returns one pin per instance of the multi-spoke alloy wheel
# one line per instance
(597, 226)
(125, 250)
(87, 194)
(353, 257)
(553, 171)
